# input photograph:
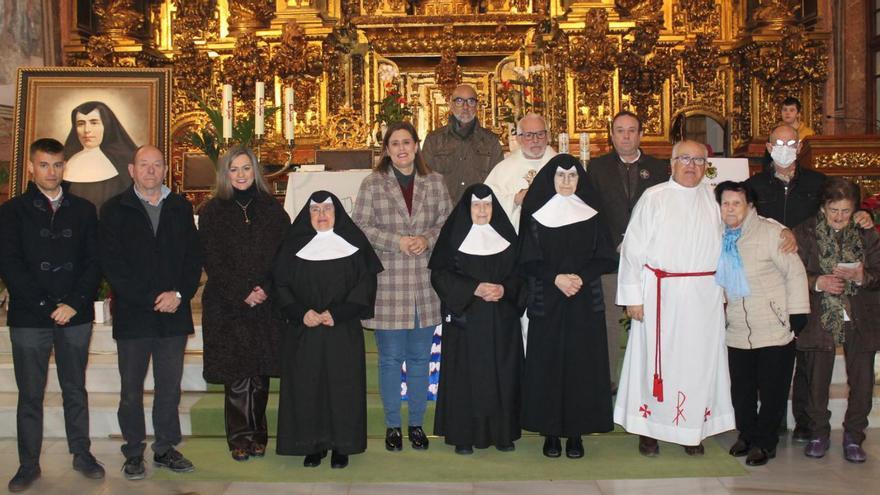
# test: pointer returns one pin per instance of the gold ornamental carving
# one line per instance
(248, 64)
(644, 67)
(192, 71)
(117, 18)
(847, 159)
(701, 62)
(448, 72)
(250, 15)
(592, 57)
(298, 63)
(195, 19)
(346, 129)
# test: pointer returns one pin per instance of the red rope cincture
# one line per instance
(658, 361)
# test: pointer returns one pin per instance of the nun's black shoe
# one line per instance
(574, 448)
(338, 461)
(552, 446)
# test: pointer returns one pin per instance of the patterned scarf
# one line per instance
(731, 273)
(837, 247)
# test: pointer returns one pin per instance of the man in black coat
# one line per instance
(48, 259)
(151, 255)
(789, 193)
(620, 177)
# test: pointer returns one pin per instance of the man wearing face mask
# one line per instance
(791, 194)
(462, 151)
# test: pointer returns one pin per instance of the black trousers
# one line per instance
(134, 358)
(30, 357)
(245, 412)
(819, 366)
(763, 374)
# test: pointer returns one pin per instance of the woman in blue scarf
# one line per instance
(767, 298)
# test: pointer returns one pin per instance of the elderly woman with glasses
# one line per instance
(843, 270)
(767, 302)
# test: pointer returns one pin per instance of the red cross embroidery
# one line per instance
(645, 411)
(679, 408)
(707, 414)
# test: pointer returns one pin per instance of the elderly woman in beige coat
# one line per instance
(767, 302)
(401, 207)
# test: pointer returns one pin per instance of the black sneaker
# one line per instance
(88, 466)
(134, 469)
(174, 461)
(24, 478)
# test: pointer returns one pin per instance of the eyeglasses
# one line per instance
(530, 136)
(697, 161)
(459, 101)
(791, 143)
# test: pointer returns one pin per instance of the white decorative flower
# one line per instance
(387, 72)
(520, 71)
(535, 68)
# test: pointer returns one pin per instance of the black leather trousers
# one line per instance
(245, 412)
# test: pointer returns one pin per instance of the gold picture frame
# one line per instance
(47, 99)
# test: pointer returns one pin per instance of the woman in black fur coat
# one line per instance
(241, 229)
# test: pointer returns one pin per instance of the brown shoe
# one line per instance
(694, 449)
(648, 446)
(258, 450)
(240, 455)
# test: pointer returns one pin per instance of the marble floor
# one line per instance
(789, 473)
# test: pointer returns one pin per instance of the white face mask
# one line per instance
(783, 155)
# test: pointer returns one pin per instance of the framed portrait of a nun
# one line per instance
(100, 115)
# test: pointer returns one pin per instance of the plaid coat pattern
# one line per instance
(405, 285)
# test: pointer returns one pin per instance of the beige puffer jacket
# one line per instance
(778, 285)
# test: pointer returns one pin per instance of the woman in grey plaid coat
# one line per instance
(401, 207)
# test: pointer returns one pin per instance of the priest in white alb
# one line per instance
(675, 385)
(511, 178)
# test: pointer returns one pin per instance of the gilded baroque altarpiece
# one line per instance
(577, 62)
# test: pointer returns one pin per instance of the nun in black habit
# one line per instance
(474, 271)
(565, 247)
(325, 275)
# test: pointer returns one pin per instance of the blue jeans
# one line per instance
(412, 345)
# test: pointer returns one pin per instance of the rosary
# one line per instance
(244, 207)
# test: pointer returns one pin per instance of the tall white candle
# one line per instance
(563, 142)
(227, 111)
(260, 109)
(288, 113)
(585, 146)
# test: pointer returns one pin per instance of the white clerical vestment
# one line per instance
(677, 230)
(509, 177)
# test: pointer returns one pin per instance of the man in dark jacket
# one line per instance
(620, 177)
(790, 194)
(463, 151)
(48, 259)
(152, 258)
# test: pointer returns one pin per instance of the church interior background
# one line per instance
(712, 70)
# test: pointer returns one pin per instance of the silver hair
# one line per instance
(223, 186)
(529, 116)
(676, 146)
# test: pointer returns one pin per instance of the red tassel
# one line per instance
(658, 387)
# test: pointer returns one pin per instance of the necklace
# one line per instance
(244, 207)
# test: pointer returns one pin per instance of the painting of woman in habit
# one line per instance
(98, 151)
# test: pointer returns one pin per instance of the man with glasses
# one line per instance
(789, 193)
(675, 385)
(620, 177)
(462, 151)
(511, 178)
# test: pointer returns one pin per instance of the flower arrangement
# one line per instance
(393, 108)
(872, 205)
(513, 94)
